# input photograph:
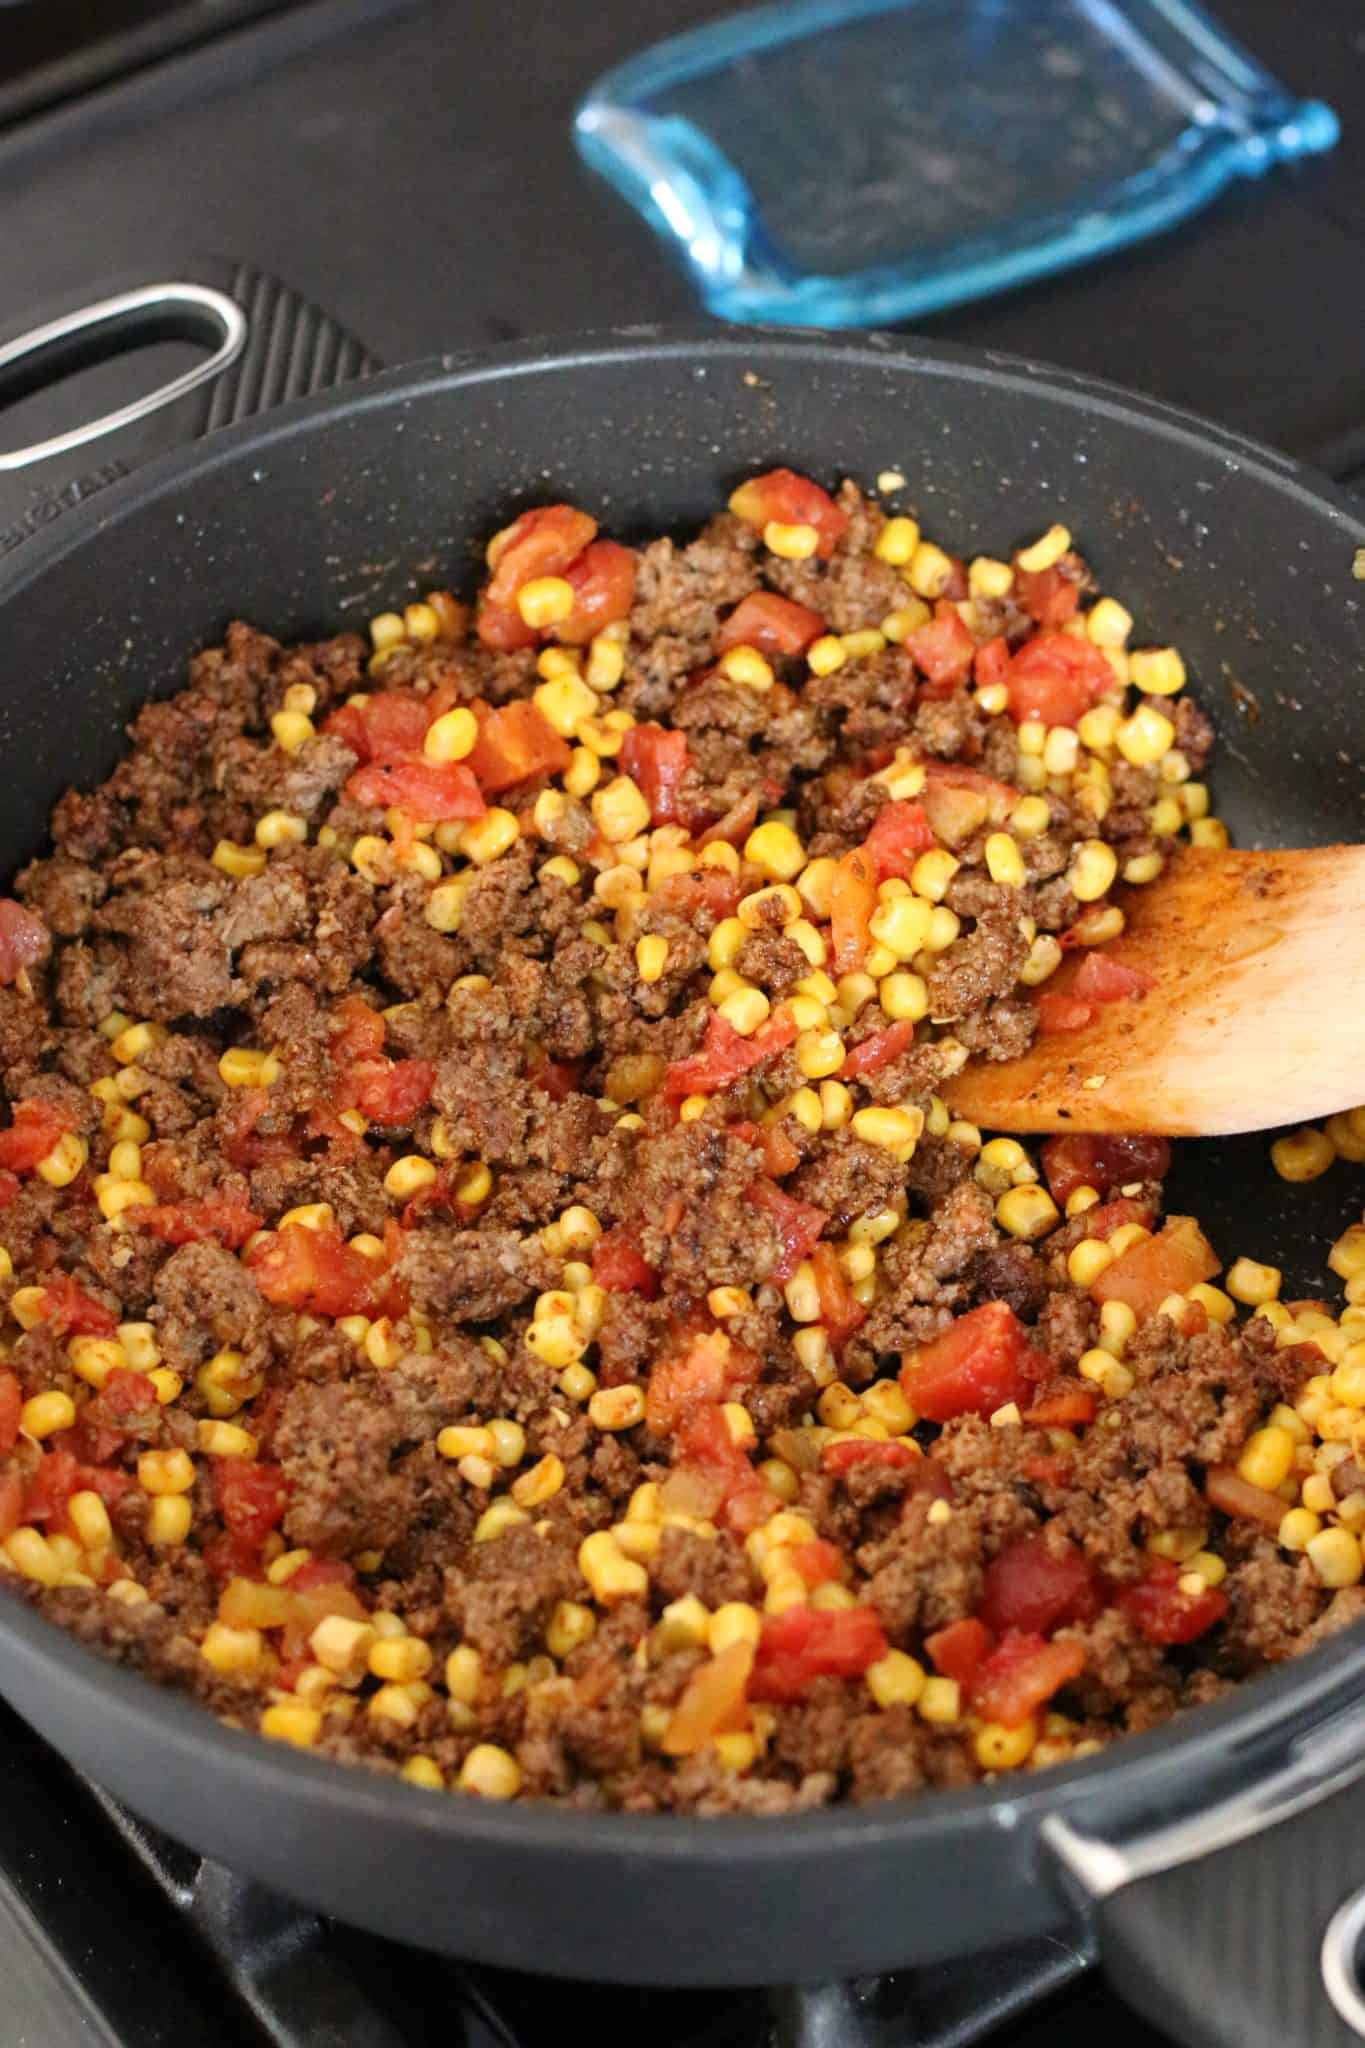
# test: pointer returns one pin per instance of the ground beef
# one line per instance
(499, 1264)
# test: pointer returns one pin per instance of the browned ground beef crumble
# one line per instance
(548, 1049)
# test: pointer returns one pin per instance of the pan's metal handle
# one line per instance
(154, 311)
(1240, 1926)
(262, 343)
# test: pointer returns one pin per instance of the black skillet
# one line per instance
(1209, 1857)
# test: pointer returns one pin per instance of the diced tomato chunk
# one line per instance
(1020, 1674)
(1082, 1160)
(700, 1378)
(321, 1571)
(24, 940)
(603, 580)
(782, 496)
(429, 791)
(516, 742)
(230, 1556)
(798, 1224)
(981, 1362)
(1163, 1612)
(57, 1476)
(388, 1091)
(31, 1136)
(1232, 1495)
(501, 627)
(1034, 1587)
(388, 726)
(1170, 1263)
(841, 1313)
(541, 542)
(708, 1456)
(712, 1703)
(71, 1311)
(11, 1501)
(1058, 1012)
(1103, 979)
(819, 1563)
(858, 1450)
(1107, 1217)
(772, 624)
(958, 801)
(957, 1651)
(1057, 678)
(251, 1497)
(879, 1050)
(225, 1219)
(1046, 595)
(900, 834)
(1064, 1407)
(726, 1055)
(316, 1270)
(708, 892)
(992, 663)
(806, 1643)
(944, 649)
(620, 1267)
(361, 1036)
(655, 758)
(9, 1187)
(852, 901)
(11, 1405)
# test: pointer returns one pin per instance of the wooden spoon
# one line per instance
(1257, 1016)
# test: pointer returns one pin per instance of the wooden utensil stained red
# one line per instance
(1256, 1016)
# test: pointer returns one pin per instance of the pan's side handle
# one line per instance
(1241, 1926)
(258, 344)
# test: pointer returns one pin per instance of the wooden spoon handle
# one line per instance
(1257, 1016)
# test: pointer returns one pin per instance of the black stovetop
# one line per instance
(406, 164)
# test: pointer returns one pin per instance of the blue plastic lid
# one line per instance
(840, 163)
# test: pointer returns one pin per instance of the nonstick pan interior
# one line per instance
(341, 507)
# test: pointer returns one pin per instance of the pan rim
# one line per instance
(1203, 1746)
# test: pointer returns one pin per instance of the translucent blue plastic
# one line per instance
(840, 163)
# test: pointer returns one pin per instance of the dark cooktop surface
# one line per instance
(407, 165)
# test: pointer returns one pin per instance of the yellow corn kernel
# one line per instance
(545, 601)
(932, 873)
(1217, 1306)
(860, 646)
(1003, 1164)
(802, 1295)
(901, 924)
(940, 1701)
(241, 1068)
(897, 542)
(988, 578)
(165, 1472)
(66, 1159)
(614, 1408)
(1347, 1256)
(233, 1651)
(1336, 1558)
(746, 666)
(1347, 1141)
(280, 828)
(793, 543)
(569, 1627)
(168, 1519)
(651, 957)
(1004, 862)
(1093, 868)
(1087, 1260)
(1045, 552)
(565, 702)
(929, 570)
(775, 849)
(1027, 1213)
(826, 654)
(1108, 624)
(734, 1622)
(745, 1009)
(483, 839)
(681, 1626)
(1248, 1282)
(1030, 817)
(90, 1519)
(451, 736)
(238, 861)
(490, 1772)
(540, 1482)
(1267, 1458)
(1143, 868)
(1208, 832)
(43, 1414)
(610, 1574)
(1001, 1748)
(1304, 1155)
(620, 810)
(114, 1196)
(895, 1130)
(1156, 671)
(400, 1659)
(291, 730)
(1297, 1529)
(408, 1176)
(291, 1721)
(1143, 738)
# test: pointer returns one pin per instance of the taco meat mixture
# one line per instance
(493, 1288)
